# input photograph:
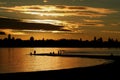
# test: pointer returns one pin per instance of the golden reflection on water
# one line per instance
(18, 60)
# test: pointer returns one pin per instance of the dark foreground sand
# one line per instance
(109, 71)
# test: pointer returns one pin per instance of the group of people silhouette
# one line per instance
(51, 53)
(59, 52)
(33, 52)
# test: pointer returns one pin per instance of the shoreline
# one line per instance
(111, 56)
(108, 71)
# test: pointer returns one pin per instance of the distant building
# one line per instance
(9, 37)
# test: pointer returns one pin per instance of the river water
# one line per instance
(18, 59)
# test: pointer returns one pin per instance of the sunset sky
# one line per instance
(56, 19)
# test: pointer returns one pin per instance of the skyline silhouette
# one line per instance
(96, 42)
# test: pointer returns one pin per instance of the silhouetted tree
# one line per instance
(32, 38)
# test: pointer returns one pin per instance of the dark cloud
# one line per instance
(2, 33)
(6, 23)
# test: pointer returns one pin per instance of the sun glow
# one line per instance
(45, 14)
(45, 1)
(48, 8)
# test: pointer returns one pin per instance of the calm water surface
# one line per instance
(18, 59)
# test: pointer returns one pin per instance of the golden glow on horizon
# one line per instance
(40, 34)
(12, 32)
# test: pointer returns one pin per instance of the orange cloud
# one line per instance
(61, 10)
(89, 21)
(13, 32)
(84, 16)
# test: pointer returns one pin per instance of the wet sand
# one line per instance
(108, 71)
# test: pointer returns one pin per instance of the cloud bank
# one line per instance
(55, 18)
(2, 33)
(60, 10)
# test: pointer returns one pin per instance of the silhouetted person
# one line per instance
(50, 52)
(58, 52)
(34, 52)
(30, 53)
(53, 52)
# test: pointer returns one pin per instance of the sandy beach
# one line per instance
(109, 71)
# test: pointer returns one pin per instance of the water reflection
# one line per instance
(18, 60)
